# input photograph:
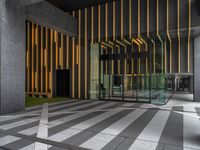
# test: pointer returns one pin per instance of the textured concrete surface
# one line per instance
(12, 65)
(12, 45)
(197, 69)
(48, 15)
(22, 3)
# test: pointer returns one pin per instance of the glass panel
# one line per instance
(104, 90)
(116, 87)
(130, 89)
(158, 89)
(143, 88)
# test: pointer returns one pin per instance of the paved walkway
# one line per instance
(86, 124)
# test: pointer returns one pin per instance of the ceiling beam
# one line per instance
(22, 3)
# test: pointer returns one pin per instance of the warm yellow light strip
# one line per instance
(114, 25)
(130, 19)
(148, 34)
(127, 42)
(168, 35)
(86, 46)
(119, 67)
(33, 49)
(46, 63)
(120, 43)
(67, 47)
(107, 45)
(139, 5)
(57, 50)
(146, 47)
(122, 19)
(42, 60)
(158, 34)
(73, 62)
(189, 33)
(165, 56)
(106, 23)
(139, 33)
(28, 58)
(92, 25)
(179, 40)
(79, 55)
(154, 56)
(99, 23)
(136, 42)
(61, 51)
(51, 63)
(37, 57)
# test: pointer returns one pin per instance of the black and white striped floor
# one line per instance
(86, 124)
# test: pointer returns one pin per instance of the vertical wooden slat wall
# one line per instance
(49, 50)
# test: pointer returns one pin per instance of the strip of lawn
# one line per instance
(33, 101)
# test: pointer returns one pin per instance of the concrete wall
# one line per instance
(197, 69)
(50, 16)
(12, 59)
(12, 47)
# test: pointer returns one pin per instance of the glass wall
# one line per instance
(130, 72)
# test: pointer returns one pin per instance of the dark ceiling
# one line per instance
(68, 5)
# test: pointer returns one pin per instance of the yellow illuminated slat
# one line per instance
(61, 51)
(99, 23)
(106, 22)
(189, 33)
(79, 55)
(57, 49)
(119, 72)
(168, 35)
(28, 59)
(139, 5)
(42, 61)
(158, 34)
(86, 45)
(139, 30)
(67, 47)
(148, 34)
(51, 72)
(33, 49)
(139, 61)
(73, 62)
(154, 56)
(165, 56)
(46, 63)
(37, 56)
(130, 19)
(179, 40)
(122, 19)
(92, 25)
(136, 42)
(114, 25)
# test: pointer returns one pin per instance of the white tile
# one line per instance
(105, 136)
(152, 131)
(7, 139)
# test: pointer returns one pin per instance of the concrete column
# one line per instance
(12, 45)
(197, 69)
(12, 58)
